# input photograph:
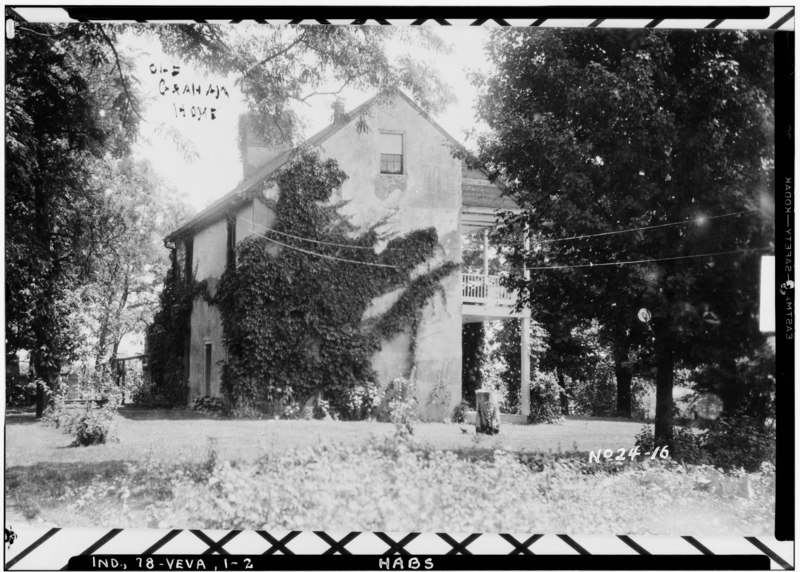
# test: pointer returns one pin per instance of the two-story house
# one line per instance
(403, 169)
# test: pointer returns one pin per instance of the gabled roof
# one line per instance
(280, 158)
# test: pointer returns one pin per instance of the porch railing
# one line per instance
(482, 289)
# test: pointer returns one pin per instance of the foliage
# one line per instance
(740, 441)
(596, 395)
(208, 404)
(321, 409)
(732, 442)
(372, 489)
(685, 445)
(545, 399)
(459, 412)
(122, 296)
(92, 425)
(167, 341)
(278, 66)
(91, 422)
(635, 129)
(751, 385)
(473, 359)
(399, 404)
(361, 402)
(507, 341)
(66, 113)
(294, 322)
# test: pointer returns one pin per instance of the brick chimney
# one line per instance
(338, 110)
(259, 143)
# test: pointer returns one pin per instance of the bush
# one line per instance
(399, 404)
(597, 395)
(733, 442)
(685, 445)
(545, 399)
(321, 409)
(92, 425)
(459, 413)
(412, 489)
(170, 393)
(358, 403)
(208, 404)
(740, 441)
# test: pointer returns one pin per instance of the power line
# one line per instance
(621, 262)
(549, 240)
(311, 239)
(336, 258)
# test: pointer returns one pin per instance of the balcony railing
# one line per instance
(482, 289)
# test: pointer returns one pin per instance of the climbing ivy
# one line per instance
(167, 342)
(293, 321)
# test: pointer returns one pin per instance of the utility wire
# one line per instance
(644, 260)
(311, 239)
(330, 257)
(549, 240)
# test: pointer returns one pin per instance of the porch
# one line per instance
(483, 298)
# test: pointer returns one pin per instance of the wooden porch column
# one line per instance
(525, 344)
(486, 252)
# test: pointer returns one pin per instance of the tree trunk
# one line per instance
(487, 417)
(730, 389)
(665, 364)
(623, 373)
(43, 370)
(563, 397)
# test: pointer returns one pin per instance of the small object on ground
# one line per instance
(464, 430)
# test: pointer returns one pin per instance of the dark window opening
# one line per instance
(188, 263)
(230, 255)
(208, 369)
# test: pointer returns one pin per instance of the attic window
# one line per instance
(392, 153)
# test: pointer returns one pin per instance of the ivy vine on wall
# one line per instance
(293, 321)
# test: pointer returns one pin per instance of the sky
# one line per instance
(212, 166)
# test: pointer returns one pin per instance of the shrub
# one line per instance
(321, 409)
(685, 445)
(400, 403)
(92, 425)
(411, 489)
(208, 404)
(459, 413)
(597, 395)
(358, 403)
(291, 411)
(545, 399)
(740, 441)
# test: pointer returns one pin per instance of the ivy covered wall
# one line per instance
(288, 317)
(294, 307)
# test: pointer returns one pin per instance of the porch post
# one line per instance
(525, 343)
(486, 252)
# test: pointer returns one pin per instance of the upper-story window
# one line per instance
(391, 153)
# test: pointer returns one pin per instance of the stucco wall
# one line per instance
(209, 258)
(427, 194)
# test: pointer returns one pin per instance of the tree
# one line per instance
(131, 262)
(602, 130)
(65, 112)
(277, 65)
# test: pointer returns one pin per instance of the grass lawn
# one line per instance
(273, 474)
(175, 437)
